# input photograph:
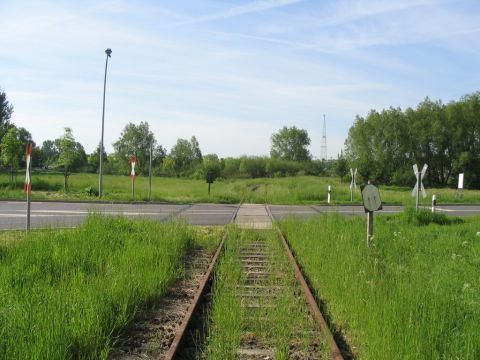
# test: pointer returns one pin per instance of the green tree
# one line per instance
(136, 140)
(6, 110)
(385, 145)
(290, 144)
(196, 149)
(12, 151)
(68, 155)
(93, 160)
(186, 156)
(341, 166)
(212, 164)
(51, 152)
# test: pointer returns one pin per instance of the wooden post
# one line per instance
(369, 228)
(208, 188)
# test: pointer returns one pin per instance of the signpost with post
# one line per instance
(133, 162)
(353, 183)
(419, 185)
(27, 187)
(209, 179)
(371, 202)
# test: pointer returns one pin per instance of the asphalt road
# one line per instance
(65, 214)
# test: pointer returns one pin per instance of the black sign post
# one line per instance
(209, 180)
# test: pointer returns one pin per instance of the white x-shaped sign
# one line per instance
(132, 173)
(422, 174)
(27, 185)
(353, 183)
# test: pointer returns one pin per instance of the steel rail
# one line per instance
(335, 352)
(181, 331)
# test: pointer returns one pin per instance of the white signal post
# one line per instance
(329, 194)
(419, 185)
(133, 162)
(27, 187)
(353, 183)
(434, 203)
(461, 176)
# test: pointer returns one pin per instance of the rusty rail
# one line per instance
(181, 331)
(317, 314)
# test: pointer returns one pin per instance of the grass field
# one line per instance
(283, 324)
(414, 295)
(66, 294)
(290, 190)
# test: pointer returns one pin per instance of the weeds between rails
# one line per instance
(258, 309)
(414, 295)
(66, 294)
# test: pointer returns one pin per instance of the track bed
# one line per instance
(259, 310)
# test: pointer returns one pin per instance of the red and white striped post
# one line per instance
(27, 186)
(133, 162)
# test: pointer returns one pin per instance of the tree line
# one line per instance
(384, 145)
(289, 154)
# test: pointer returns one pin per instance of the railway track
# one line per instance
(271, 283)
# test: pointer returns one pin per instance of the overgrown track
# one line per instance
(271, 282)
(312, 304)
(198, 297)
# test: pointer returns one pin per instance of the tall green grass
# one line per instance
(414, 295)
(288, 190)
(65, 295)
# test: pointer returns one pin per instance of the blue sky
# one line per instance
(231, 72)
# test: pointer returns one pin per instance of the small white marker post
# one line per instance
(329, 194)
(27, 186)
(419, 185)
(133, 162)
(353, 183)
(460, 184)
(371, 202)
(434, 203)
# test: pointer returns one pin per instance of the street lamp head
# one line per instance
(108, 52)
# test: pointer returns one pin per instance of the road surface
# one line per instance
(69, 214)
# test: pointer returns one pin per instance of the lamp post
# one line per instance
(108, 52)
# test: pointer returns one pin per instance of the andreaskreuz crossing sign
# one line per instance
(419, 180)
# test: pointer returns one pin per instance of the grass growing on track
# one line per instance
(289, 190)
(414, 295)
(283, 324)
(65, 294)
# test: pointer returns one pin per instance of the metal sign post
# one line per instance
(133, 162)
(353, 183)
(150, 175)
(329, 194)
(371, 202)
(419, 185)
(27, 187)
(209, 180)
